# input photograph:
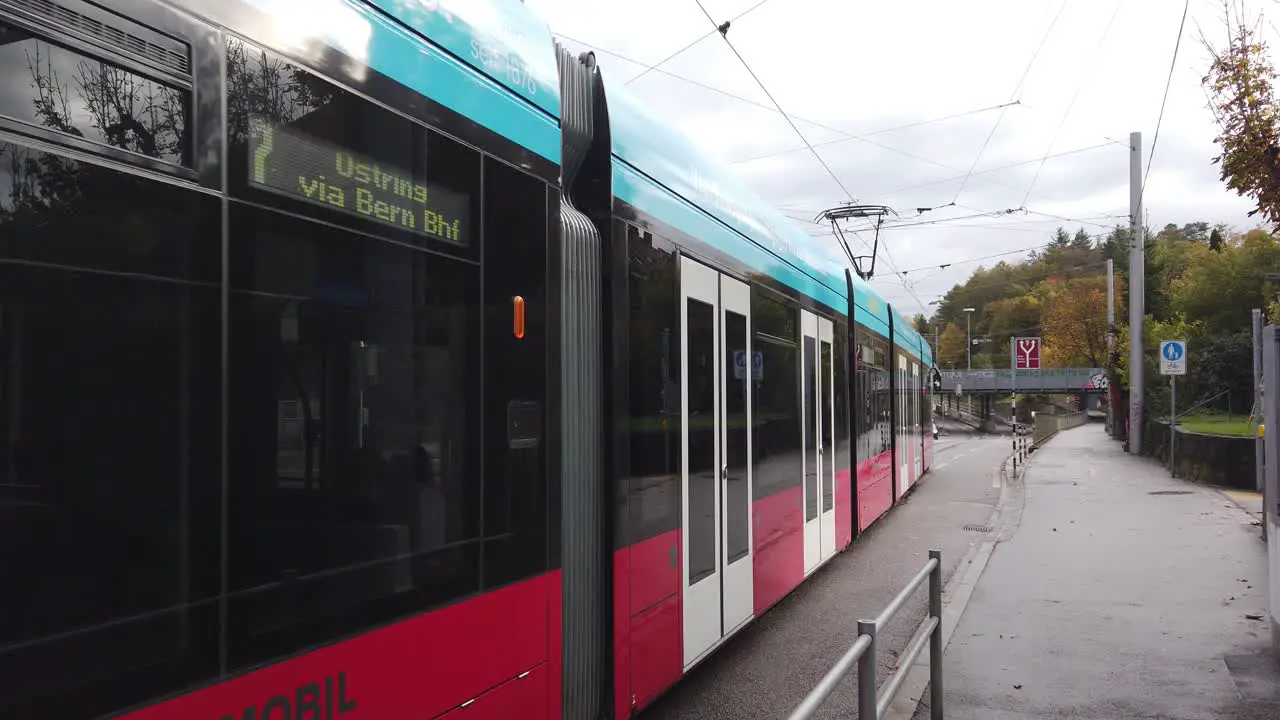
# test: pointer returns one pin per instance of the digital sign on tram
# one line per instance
(292, 163)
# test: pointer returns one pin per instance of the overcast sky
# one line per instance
(863, 67)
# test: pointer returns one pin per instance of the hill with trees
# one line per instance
(1201, 283)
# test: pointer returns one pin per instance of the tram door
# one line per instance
(715, 373)
(817, 394)
(900, 419)
(921, 421)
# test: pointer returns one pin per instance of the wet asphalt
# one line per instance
(1121, 593)
(768, 668)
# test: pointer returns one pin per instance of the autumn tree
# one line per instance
(1075, 322)
(951, 353)
(1011, 317)
(1239, 83)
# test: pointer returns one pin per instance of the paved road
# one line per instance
(1121, 593)
(773, 663)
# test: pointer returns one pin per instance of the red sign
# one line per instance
(1026, 353)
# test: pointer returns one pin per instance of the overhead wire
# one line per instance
(673, 55)
(847, 135)
(1074, 96)
(823, 163)
(998, 168)
(1023, 278)
(724, 36)
(992, 256)
(1017, 89)
(1160, 119)
(863, 136)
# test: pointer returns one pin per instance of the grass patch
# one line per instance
(1217, 424)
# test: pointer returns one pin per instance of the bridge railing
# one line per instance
(1047, 380)
(872, 702)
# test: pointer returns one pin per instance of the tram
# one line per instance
(383, 358)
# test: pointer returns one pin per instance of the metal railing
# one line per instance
(872, 703)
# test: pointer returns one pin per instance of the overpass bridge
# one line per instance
(1003, 382)
(988, 385)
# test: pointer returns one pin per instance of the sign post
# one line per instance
(1024, 354)
(1173, 362)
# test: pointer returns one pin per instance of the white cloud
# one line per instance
(861, 67)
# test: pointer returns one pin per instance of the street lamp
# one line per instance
(968, 341)
(936, 348)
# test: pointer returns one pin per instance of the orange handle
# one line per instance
(517, 317)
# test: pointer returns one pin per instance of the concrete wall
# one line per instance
(1049, 425)
(1209, 459)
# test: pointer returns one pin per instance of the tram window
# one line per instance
(53, 87)
(515, 376)
(109, 436)
(354, 386)
(652, 421)
(703, 473)
(302, 144)
(811, 473)
(874, 401)
(775, 397)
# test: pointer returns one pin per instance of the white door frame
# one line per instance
(721, 598)
(916, 402)
(826, 435)
(904, 480)
(810, 487)
(738, 588)
(702, 598)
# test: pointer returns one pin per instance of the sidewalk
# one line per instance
(1115, 592)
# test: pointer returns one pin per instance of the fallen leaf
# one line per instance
(1253, 616)
(1017, 687)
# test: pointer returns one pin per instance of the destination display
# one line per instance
(288, 162)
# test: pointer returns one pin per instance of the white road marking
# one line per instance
(939, 466)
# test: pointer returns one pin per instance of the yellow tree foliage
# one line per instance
(1074, 321)
(951, 353)
(1011, 317)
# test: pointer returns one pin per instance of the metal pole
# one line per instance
(1257, 406)
(1137, 285)
(968, 350)
(867, 673)
(1173, 421)
(935, 642)
(1111, 336)
(1013, 390)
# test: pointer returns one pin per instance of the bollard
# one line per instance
(867, 673)
(935, 642)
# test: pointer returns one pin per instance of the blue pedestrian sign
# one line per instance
(1173, 357)
(740, 365)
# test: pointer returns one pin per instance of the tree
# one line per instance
(951, 353)
(1011, 317)
(1239, 83)
(1219, 287)
(1075, 322)
(1216, 240)
(921, 324)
